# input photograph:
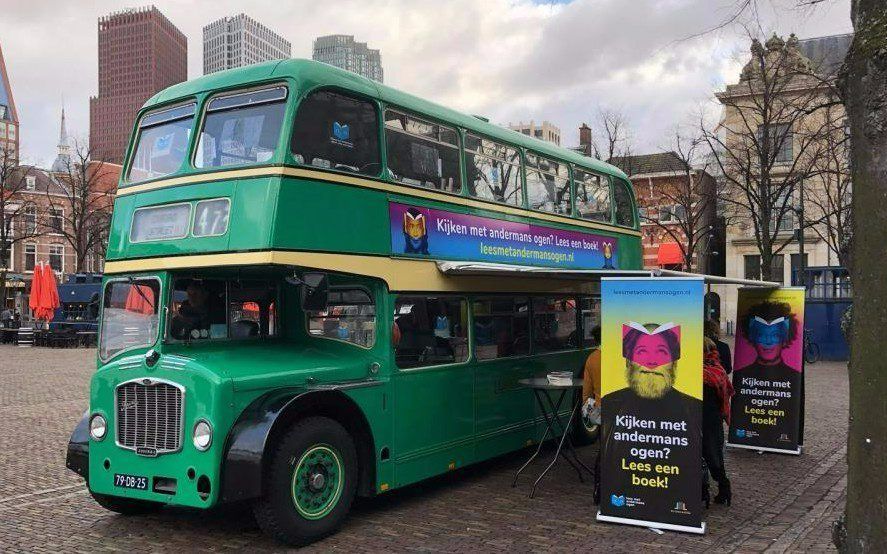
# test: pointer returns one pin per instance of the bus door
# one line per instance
(433, 386)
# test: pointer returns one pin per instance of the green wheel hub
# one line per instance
(318, 479)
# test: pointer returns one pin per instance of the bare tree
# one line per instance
(767, 144)
(18, 217)
(611, 137)
(865, 99)
(686, 206)
(81, 214)
(829, 204)
(863, 88)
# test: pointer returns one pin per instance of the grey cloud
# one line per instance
(507, 59)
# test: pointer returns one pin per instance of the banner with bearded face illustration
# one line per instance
(766, 410)
(651, 409)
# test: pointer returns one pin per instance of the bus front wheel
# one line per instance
(311, 481)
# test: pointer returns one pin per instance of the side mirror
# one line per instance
(315, 292)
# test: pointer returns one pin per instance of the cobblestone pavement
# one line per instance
(781, 503)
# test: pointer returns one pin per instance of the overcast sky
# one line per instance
(508, 60)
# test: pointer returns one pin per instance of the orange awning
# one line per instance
(669, 254)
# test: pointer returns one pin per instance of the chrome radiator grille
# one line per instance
(149, 416)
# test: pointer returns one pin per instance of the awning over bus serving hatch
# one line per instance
(504, 270)
(669, 254)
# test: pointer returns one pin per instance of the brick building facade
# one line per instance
(45, 204)
(657, 179)
(9, 135)
(140, 53)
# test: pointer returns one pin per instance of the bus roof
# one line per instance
(311, 74)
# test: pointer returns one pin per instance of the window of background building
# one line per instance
(501, 327)
(430, 330)
(56, 257)
(421, 153)
(780, 138)
(674, 213)
(786, 223)
(796, 267)
(56, 219)
(333, 131)
(548, 185)
(493, 170)
(30, 182)
(753, 267)
(592, 195)
(30, 219)
(554, 324)
(30, 257)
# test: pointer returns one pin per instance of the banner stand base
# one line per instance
(767, 449)
(654, 524)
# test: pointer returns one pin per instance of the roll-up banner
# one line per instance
(651, 406)
(768, 370)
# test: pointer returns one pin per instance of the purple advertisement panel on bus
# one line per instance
(438, 234)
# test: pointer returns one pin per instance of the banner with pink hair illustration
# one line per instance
(766, 411)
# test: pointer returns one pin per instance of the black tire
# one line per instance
(125, 506)
(277, 512)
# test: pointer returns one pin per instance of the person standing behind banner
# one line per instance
(716, 393)
(591, 401)
(713, 331)
(591, 377)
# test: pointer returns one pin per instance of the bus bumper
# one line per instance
(77, 459)
(170, 479)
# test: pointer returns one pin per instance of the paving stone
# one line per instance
(781, 503)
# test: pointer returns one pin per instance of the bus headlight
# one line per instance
(98, 427)
(203, 435)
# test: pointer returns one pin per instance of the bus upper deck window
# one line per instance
(334, 131)
(624, 207)
(592, 196)
(241, 128)
(548, 185)
(162, 142)
(493, 170)
(422, 153)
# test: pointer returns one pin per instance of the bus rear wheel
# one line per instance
(310, 484)
(125, 506)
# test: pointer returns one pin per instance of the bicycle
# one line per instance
(811, 348)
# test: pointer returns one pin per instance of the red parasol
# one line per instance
(49, 294)
(136, 299)
(36, 285)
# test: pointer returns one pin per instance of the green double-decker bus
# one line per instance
(319, 287)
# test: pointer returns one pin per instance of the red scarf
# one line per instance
(713, 375)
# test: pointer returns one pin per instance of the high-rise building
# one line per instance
(8, 115)
(140, 53)
(240, 40)
(342, 51)
(544, 131)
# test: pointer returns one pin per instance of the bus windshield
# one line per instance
(162, 143)
(129, 315)
(205, 309)
(241, 128)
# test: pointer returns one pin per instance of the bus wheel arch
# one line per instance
(266, 420)
(336, 406)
